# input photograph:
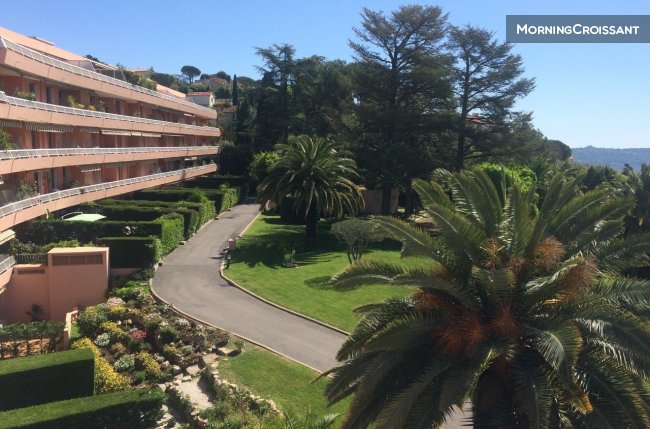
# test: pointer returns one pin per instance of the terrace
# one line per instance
(19, 109)
(13, 161)
(32, 61)
(30, 208)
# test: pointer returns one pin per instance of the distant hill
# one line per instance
(615, 158)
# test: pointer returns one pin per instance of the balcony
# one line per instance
(6, 264)
(30, 208)
(30, 61)
(15, 161)
(18, 109)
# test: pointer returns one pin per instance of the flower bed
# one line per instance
(144, 342)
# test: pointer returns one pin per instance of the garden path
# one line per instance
(189, 279)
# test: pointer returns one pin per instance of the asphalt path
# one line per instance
(189, 279)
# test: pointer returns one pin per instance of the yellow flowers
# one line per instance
(107, 380)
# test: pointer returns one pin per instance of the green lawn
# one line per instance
(257, 266)
(286, 382)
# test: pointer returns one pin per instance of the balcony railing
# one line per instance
(15, 101)
(7, 263)
(41, 153)
(53, 196)
(31, 258)
(44, 59)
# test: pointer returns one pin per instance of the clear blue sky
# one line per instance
(587, 94)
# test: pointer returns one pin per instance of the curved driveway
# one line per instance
(189, 279)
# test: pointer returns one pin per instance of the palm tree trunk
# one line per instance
(311, 220)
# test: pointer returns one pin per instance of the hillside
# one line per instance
(615, 158)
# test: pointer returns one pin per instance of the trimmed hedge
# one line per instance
(132, 252)
(222, 200)
(206, 209)
(135, 409)
(141, 213)
(242, 183)
(45, 378)
(168, 228)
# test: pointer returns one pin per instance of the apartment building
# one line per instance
(75, 131)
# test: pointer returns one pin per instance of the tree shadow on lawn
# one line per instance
(269, 246)
(320, 283)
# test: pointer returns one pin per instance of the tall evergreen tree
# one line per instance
(400, 86)
(487, 82)
(235, 92)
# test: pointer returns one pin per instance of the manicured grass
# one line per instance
(257, 266)
(286, 382)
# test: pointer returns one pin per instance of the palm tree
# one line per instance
(317, 177)
(521, 312)
(309, 421)
(639, 186)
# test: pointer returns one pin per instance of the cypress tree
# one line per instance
(235, 92)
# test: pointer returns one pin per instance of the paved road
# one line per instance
(189, 279)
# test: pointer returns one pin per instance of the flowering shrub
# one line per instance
(106, 379)
(90, 320)
(124, 363)
(117, 312)
(182, 323)
(114, 302)
(138, 335)
(116, 333)
(152, 321)
(144, 361)
(103, 340)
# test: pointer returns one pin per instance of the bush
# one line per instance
(13, 334)
(45, 378)
(124, 363)
(136, 409)
(115, 333)
(90, 320)
(144, 361)
(168, 334)
(168, 228)
(145, 213)
(130, 252)
(107, 380)
(221, 199)
(103, 340)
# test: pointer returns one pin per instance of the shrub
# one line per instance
(124, 363)
(152, 321)
(118, 350)
(129, 252)
(103, 340)
(45, 378)
(116, 313)
(356, 234)
(91, 319)
(116, 334)
(169, 353)
(107, 380)
(167, 334)
(136, 409)
(13, 334)
(144, 361)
